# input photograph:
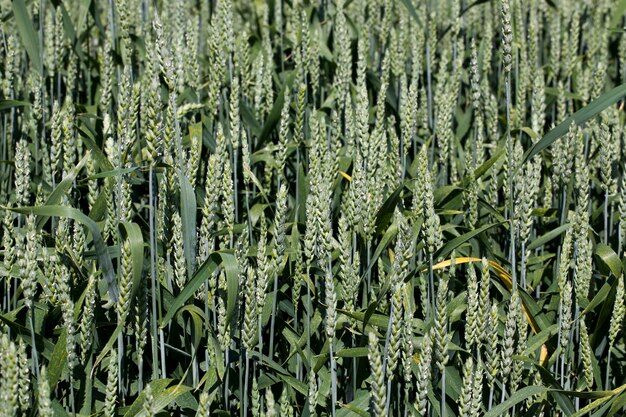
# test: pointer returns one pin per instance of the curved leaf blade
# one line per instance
(27, 33)
(101, 250)
(458, 241)
(133, 234)
(215, 260)
(163, 396)
(516, 398)
(590, 110)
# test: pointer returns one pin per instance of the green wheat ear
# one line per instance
(377, 387)
(44, 404)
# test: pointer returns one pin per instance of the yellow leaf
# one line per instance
(543, 356)
(346, 176)
(505, 277)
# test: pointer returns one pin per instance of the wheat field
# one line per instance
(312, 208)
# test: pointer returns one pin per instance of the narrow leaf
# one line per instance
(590, 110)
(9, 104)
(458, 241)
(132, 232)
(608, 256)
(101, 251)
(216, 259)
(27, 33)
(516, 398)
(163, 397)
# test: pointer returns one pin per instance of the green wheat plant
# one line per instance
(410, 208)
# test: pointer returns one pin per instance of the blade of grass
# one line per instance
(102, 254)
(581, 116)
(27, 33)
(215, 260)
(516, 398)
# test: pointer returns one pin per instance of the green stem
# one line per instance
(273, 318)
(35, 362)
(606, 216)
(245, 386)
(509, 142)
(608, 370)
(333, 373)
(431, 286)
(151, 214)
(443, 392)
(308, 316)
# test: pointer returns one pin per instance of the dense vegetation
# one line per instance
(347, 207)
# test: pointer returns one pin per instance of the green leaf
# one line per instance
(378, 320)
(232, 283)
(357, 352)
(29, 37)
(482, 203)
(132, 233)
(220, 366)
(516, 398)
(215, 260)
(11, 322)
(590, 110)
(618, 405)
(618, 13)
(553, 91)
(294, 383)
(186, 401)
(57, 360)
(106, 266)
(458, 241)
(600, 412)
(409, 6)
(188, 218)
(61, 190)
(562, 400)
(600, 296)
(531, 133)
(445, 193)
(59, 410)
(357, 406)
(542, 240)
(355, 410)
(368, 313)
(247, 116)
(295, 343)
(163, 396)
(258, 185)
(98, 211)
(589, 395)
(387, 209)
(9, 104)
(535, 342)
(274, 116)
(198, 319)
(609, 258)
(268, 362)
(389, 235)
(100, 158)
(484, 168)
(533, 310)
(585, 410)
(107, 347)
(112, 173)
